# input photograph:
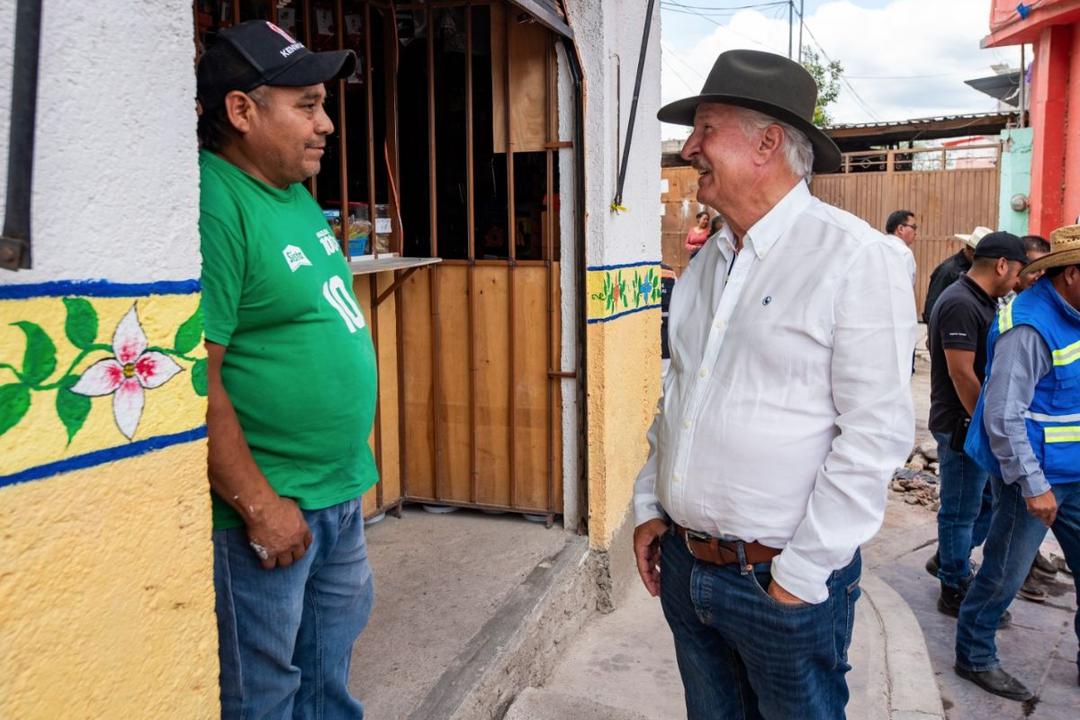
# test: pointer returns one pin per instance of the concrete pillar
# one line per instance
(1070, 191)
(1049, 117)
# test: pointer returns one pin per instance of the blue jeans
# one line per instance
(964, 516)
(1015, 536)
(285, 636)
(743, 655)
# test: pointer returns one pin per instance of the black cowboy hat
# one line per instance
(766, 82)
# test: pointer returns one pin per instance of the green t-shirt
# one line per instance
(299, 365)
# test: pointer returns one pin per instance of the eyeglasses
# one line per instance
(910, 225)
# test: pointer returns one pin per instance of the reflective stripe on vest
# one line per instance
(1005, 318)
(1062, 434)
(1043, 417)
(1066, 355)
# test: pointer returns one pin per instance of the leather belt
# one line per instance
(724, 552)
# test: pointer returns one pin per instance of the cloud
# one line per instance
(906, 59)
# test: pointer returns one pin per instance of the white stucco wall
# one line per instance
(622, 333)
(608, 36)
(116, 190)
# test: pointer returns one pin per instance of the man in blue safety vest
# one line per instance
(1026, 433)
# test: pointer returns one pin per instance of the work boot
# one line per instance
(1044, 567)
(933, 565)
(1031, 590)
(951, 599)
(998, 682)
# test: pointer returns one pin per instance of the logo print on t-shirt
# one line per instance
(329, 242)
(295, 257)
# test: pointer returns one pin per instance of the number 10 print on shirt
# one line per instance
(341, 299)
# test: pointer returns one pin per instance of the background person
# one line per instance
(957, 339)
(951, 268)
(1035, 247)
(901, 225)
(1025, 434)
(288, 451)
(698, 234)
(715, 224)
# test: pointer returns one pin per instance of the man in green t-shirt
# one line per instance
(292, 384)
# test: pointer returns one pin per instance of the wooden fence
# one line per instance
(945, 202)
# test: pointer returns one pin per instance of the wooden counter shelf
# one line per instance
(390, 264)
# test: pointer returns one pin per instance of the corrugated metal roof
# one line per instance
(921, 121)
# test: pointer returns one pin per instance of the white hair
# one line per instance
(798, 152)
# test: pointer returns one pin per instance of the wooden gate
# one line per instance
(481, 425)
(953, 197)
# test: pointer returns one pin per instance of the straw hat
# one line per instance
(972, 239)
(1064, 250)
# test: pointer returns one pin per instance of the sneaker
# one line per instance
(998, 682)
(949, 602)
(1031, 590)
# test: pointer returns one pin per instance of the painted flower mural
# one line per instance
(128, 374)
(130, 367)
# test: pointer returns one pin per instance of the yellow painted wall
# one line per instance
(106, 564)
(107, 586)
(624, 383)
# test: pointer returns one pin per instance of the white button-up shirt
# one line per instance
(786, 406)
(909, 257)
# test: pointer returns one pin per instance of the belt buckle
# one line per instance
(695, 535)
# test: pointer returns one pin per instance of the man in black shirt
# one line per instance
(951, 267)
(957, 336)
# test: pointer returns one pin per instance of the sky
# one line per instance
(902, 58)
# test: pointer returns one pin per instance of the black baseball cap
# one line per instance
(1002, 244)
(258, 52)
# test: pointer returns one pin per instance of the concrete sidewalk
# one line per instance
(1039, 647)
(623, 666)
(457, 629)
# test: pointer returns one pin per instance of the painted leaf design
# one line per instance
(189, 333)
(198, 377)
(14, 402)
(71, 408)
(81, 325)
(39, 360)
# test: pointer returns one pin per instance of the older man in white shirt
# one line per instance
(785, 409)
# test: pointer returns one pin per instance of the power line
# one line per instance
(711, 16)
(671, 53)
(862, 103)
(714, 9)
(725, 27)
(907, 77)
(689, 87)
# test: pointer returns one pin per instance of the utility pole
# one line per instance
(802, 7)
(790, 21)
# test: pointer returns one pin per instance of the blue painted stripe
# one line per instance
(643, 263)
(592, 321)
(99, 457)
(98, 288)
